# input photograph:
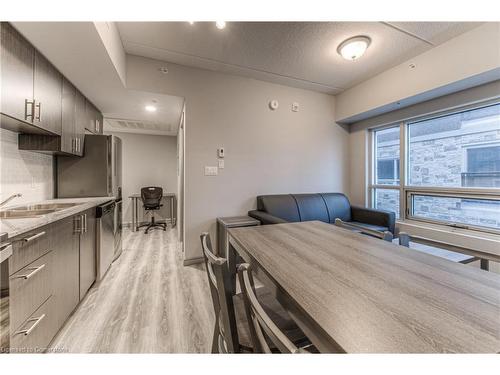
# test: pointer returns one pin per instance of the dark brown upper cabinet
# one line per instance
(47, 110)
(69, 144)
(47, 95)
(17, 61)
(94, 119)
(31, 87)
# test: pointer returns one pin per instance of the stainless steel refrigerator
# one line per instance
(98, 173)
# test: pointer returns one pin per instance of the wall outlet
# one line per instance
(211, 171)
(220, 163)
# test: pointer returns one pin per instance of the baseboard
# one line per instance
(190, 262)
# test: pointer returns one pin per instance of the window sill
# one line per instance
(471, 239)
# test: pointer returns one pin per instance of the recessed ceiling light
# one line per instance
(220, 24)
(150, 108)
(354, 48)
(191, 22)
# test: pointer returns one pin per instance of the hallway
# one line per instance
(147, 303)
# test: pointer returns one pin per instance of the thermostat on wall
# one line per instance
(221, 152)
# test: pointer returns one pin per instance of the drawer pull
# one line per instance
(32, 273)
(34, 237)
(36, 321)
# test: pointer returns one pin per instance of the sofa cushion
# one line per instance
(338, 206)
(311, 207)
(283, 206)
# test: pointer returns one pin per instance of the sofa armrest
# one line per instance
(375, 217)
(265, 218)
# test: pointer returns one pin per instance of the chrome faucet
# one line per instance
(10, 198)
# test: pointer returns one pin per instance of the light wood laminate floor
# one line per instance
(147, 303)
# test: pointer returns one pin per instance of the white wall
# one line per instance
(25, 172)
(147, 160)
(266, 151)
(471, 56)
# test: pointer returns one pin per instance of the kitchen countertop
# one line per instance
(15, 227)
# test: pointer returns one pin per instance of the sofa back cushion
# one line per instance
(283, 206)
(338, 206)
(311, 207)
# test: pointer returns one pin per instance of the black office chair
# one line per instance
(151, 199)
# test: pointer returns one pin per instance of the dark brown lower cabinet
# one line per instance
(66, 289)
(52, 269)
(87, 252)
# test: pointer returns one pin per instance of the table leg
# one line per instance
(231, 263)
(485, 264)
(133, 215)
(136, 215)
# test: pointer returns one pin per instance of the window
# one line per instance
(483, 167)
(385, 189)
(436, 149)
(450, 169)
(453, 209)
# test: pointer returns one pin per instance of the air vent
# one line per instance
(141, 125)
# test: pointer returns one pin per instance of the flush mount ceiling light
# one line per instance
(220, 24)
(150, 108)
(353, 48)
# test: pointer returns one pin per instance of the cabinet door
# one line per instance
(69, 141)
(47, 93)
(16, 74)
(91, 113)
(87, 252)
(81, 120)
(65, 245)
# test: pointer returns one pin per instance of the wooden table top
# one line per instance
(373, 296)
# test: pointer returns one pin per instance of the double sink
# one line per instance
(34, 210)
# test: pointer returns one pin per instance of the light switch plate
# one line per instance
(211, 171)
(220, 163)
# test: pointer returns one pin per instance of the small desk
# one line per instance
(135, 209)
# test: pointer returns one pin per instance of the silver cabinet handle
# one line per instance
(30, 114)
(39, 106)
(34, 237)
(79, 144)
(36, 321)
(85, 222)
(73, 143)
(77, 224)
(32, 273)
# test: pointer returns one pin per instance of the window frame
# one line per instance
(406, 191)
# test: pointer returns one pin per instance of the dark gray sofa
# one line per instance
(283, 208)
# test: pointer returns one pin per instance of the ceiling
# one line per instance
(299, 54)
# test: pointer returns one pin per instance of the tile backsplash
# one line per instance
(26, 172)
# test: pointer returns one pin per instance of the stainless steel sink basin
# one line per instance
(24, 214)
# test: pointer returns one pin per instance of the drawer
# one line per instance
(35, 334)
(29, 288)
(29, 247)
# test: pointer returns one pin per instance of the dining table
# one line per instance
(352, 293)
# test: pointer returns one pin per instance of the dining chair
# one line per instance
(267, 337)
(225, 337)
(385, 235)
(232, 332)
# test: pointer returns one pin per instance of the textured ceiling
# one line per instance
(300, 54)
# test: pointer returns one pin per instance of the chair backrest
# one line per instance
(151, 196)
(219, 280)
(385, 235)
(261, 325)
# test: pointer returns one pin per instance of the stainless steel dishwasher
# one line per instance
(105, 237)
